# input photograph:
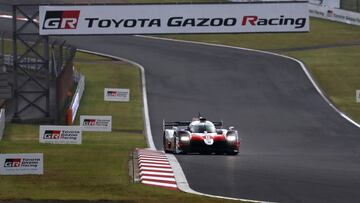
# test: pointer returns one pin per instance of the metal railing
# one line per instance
(75, 103)
(2, 123)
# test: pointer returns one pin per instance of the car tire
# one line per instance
(176, 149)
(164, 145)
(233, 153)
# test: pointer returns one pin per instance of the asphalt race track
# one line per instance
(295, 147)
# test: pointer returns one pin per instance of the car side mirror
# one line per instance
(231, 128)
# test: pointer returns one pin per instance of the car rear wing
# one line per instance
(170, 124)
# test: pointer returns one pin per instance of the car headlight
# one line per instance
(185, 138)
(231, 138)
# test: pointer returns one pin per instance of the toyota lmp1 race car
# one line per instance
(199, 135)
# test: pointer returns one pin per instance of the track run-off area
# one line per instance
(295, 146)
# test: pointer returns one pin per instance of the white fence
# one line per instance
(2, 122)
(75, 103)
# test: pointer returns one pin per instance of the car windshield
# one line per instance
(202, 127)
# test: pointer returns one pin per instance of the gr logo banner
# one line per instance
(21, 164)
(12, 163)
(53, 134)
(116, 94)
(61, 19)
(174, 18)
(89, 122)
(96, 123)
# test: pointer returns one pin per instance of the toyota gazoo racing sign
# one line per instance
(60, 134)
(21, 164)
(96, 123)
(117, 94)
(174, 18)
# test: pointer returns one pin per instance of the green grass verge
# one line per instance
(338, 73)
(97, 169)
(322, 32)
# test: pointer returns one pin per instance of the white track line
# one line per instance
(153, 156)
(145, 168)
(168, 174)
(159, 184)
(163, 158)
(155, 162)
(155, 165)
(152, 159)
(157, 178)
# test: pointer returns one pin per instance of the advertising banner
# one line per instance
(174, 18)
(358, 96)
(116, 94)
(52, 134)
(21, 164)
(334, 14)
(96, 123)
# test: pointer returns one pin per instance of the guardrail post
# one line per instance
(14, 43)
(3, 51)
(2, 122)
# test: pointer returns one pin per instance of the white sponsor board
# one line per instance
(117, 94)
(21, 164)
(2, 122)
(358, 96)
(96, 123)
(174, 18)
(52, 134)
(334, 14)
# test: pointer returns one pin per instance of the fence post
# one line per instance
(15, 65)
(3, 51)
(61, 55)
(2, 122)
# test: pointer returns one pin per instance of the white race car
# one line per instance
(199, 135)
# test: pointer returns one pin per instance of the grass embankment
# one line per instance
(338, 73)
(97, 169)
(336, 68)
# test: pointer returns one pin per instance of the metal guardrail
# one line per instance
(75, 103)
(2, 123)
